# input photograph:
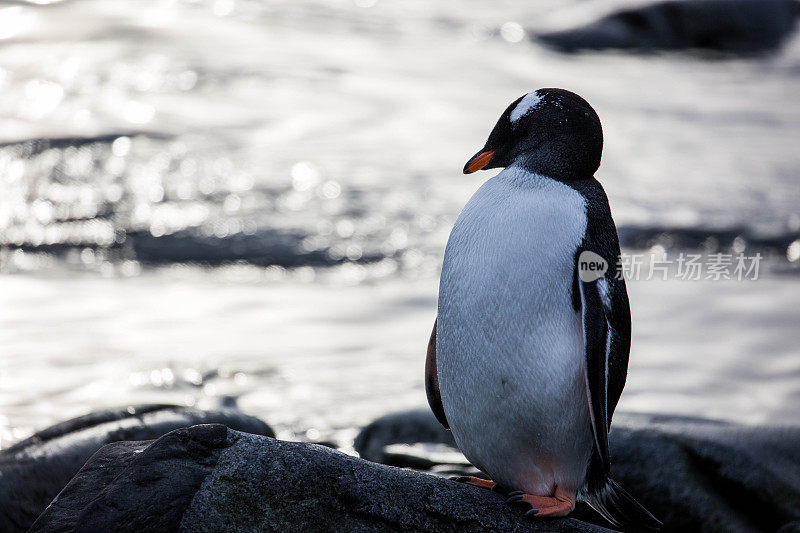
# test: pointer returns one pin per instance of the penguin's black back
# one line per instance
(602, 233)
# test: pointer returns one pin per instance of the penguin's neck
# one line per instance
(553, 164)
(522, 176)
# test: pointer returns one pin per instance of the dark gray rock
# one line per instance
(706, 475)
(409, 439)
(729, 26)
(406, 427)
(210, 478)
(33, 471)
(694, 474)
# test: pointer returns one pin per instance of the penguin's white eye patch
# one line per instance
(530, 101)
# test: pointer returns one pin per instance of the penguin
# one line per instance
(529, 351)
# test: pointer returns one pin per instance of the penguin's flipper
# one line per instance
(595, 305)
(601, 238)
(432, 381)
(606, 334)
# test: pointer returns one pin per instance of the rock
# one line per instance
(426, 456)
(413, 439)
(266, 247)
(694, 474)
(33, 471)
(730, 26)
(211, 478)
(707, 475)
(406, 427)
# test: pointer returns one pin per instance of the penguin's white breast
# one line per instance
(509, 347)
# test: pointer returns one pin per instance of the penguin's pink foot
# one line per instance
(545, 506)
(476, 482)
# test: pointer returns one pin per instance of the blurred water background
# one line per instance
(245, 202)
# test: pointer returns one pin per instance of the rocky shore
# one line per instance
(733, 27)
(33, 471)
(164, 468)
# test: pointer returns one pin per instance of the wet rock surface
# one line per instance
(210, 478)
(707, 475)
(727, 26)
(33, 471)
(694, 474)
(406, 427)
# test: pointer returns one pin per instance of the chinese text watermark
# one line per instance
(688, 266)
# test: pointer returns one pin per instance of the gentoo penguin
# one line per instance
(529, 351)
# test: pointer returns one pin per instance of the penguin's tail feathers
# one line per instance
(619, 508)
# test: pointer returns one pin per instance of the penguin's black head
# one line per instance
(552, 132)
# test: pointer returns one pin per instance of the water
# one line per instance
(309, 155)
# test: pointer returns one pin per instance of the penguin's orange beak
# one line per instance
(478, 161)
